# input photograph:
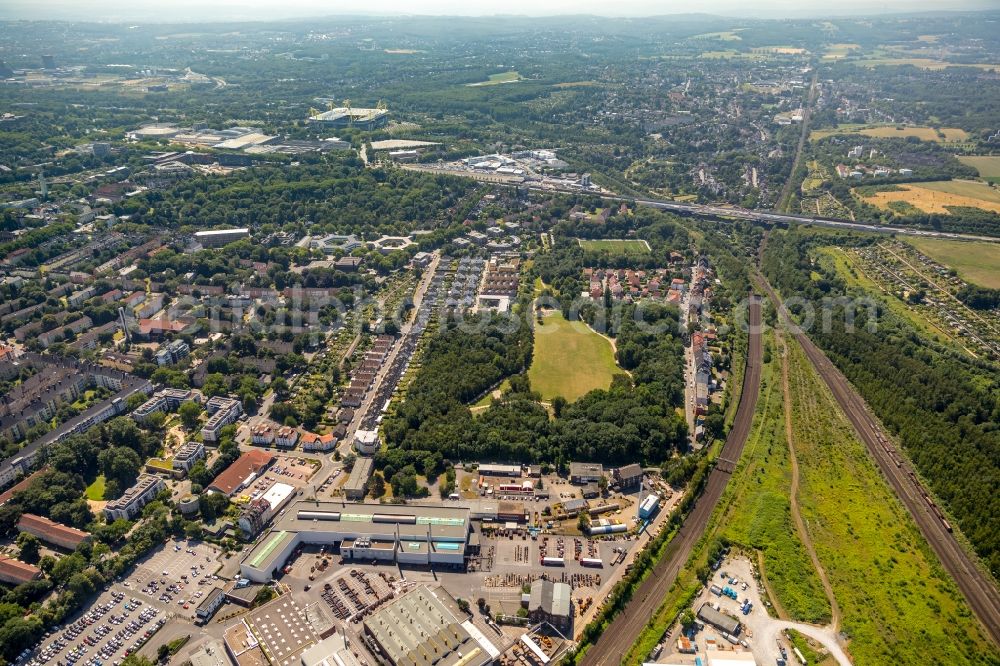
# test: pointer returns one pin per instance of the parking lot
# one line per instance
(115, 626)
(293, 471)
(180, 573)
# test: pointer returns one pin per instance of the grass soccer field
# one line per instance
(937, 196)
(619, 247)
(569, 359)
(978, 263)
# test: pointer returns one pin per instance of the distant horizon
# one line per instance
(192, 11)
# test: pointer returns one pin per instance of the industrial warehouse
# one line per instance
(417, 535)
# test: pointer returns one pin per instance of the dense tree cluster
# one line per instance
(979, 298)
(333, 195)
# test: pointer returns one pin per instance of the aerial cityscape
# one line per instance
(440, 340)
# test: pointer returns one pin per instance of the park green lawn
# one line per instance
(616, 247)
(978, 263)
(95, 491)
(570, 359)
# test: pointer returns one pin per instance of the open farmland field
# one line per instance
(570, 359)
(978, 263)
(951, 134)
(497, 79)
(988, 166)
(616, 247)
(935, 197)
(727, 36)
(837, 51)
(922, 63)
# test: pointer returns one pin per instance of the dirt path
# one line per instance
(800, 524)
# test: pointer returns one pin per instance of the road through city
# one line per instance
(623, 631)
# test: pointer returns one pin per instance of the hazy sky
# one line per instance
(194, 10)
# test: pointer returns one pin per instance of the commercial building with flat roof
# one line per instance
(425, 627)
(500, 470)
(580, 472)
(52, 532)
(332, 651)
(356, 485)
(418, 535)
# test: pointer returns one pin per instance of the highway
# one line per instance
(976, 586)
(773, 217)
(708, 210)
(624, 630)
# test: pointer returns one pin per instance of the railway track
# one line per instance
(978, 589)
(624, 630)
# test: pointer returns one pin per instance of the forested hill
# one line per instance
(944, 408)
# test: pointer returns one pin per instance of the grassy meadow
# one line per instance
(570, 359)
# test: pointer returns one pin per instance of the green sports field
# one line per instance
(569, 359)
(617, 247)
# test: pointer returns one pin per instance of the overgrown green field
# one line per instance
(988, 166)
(497, 79)
(898, 605)
(569, 359)
(617, 247)
(758, 512)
